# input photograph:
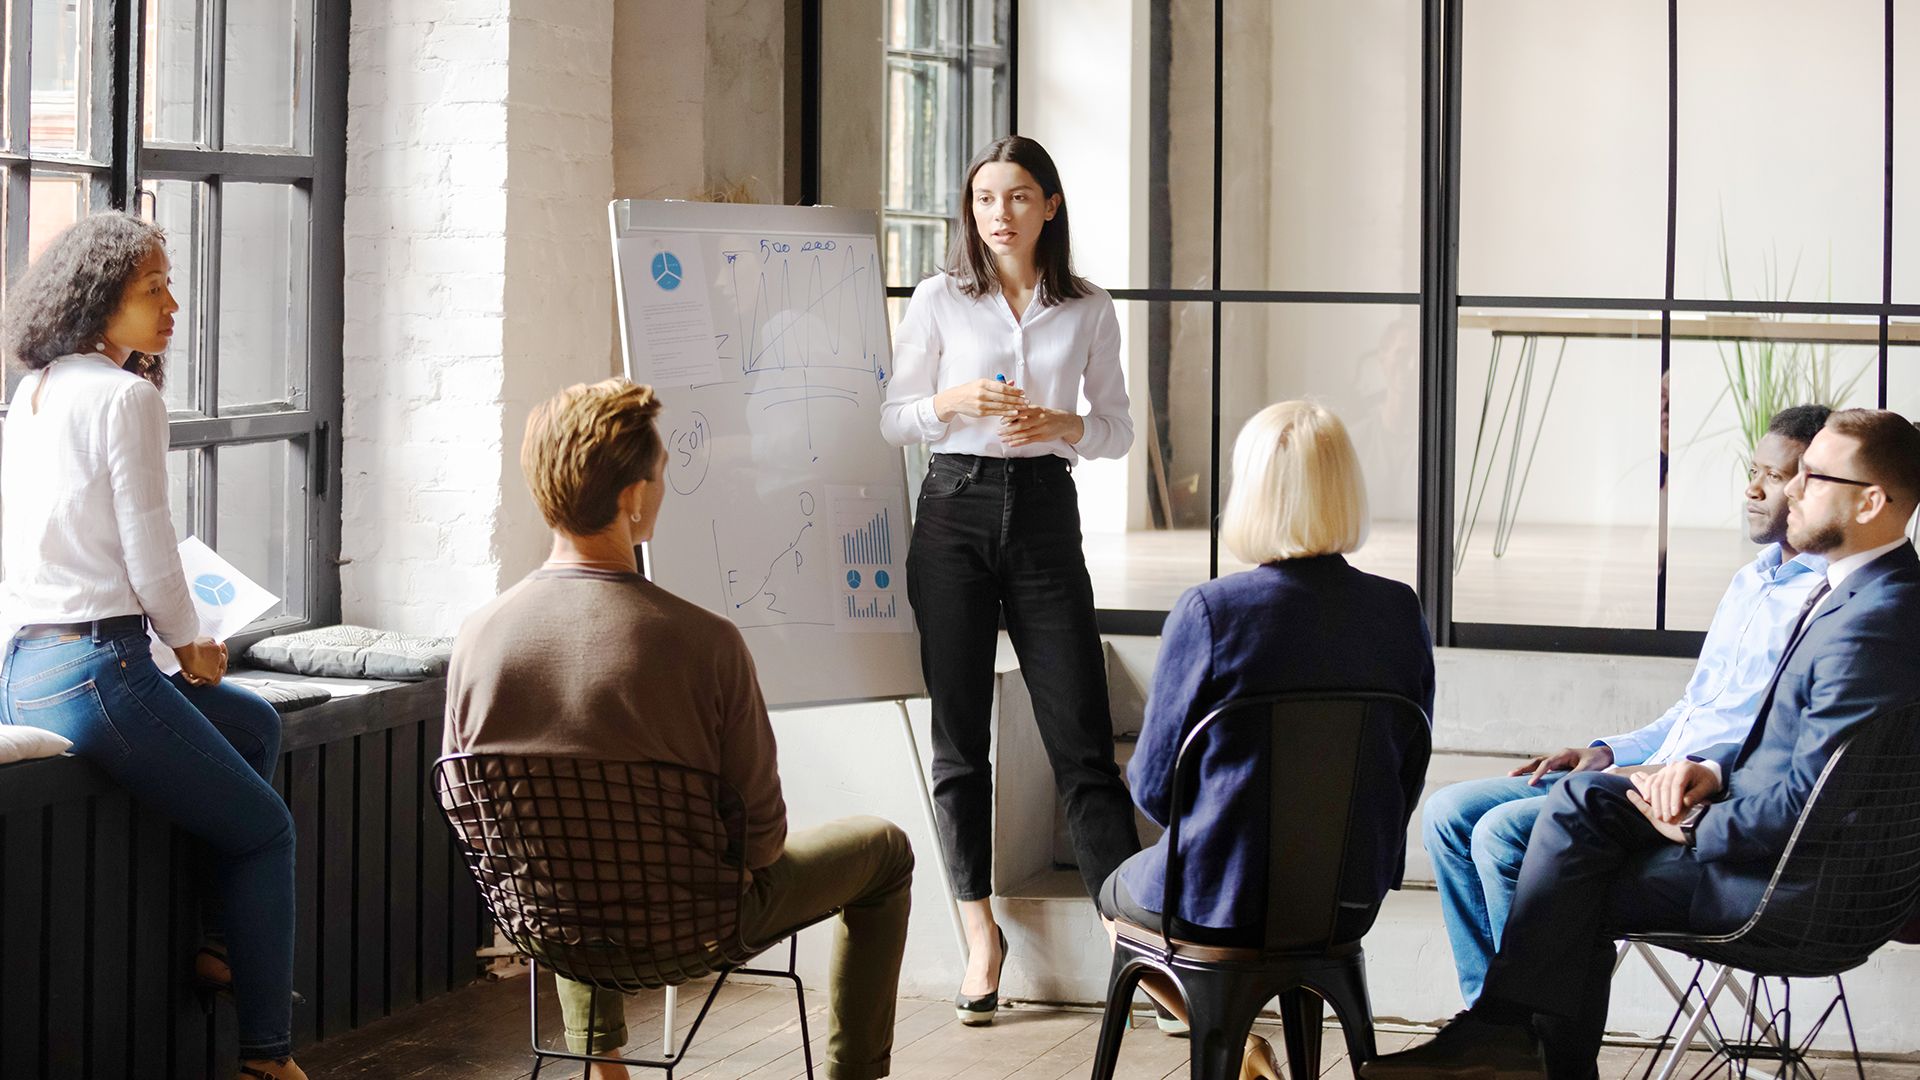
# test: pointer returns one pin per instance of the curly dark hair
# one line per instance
(61, 304)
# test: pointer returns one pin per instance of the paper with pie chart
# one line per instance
(869, 542)
(226, 598)
(669, 317)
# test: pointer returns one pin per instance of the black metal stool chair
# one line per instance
(1328, 755)
(1848, 880)
(623, 875)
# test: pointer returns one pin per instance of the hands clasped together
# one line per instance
(1020, 422)
(1665, 794)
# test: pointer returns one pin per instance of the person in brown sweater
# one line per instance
(585, 658)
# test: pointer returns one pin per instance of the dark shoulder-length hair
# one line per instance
(973, 267)
(61, 304)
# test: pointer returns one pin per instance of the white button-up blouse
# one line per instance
(1053, 353)
(85, 532)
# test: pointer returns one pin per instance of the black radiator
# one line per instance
(99, 901)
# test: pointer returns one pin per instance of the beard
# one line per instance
(1817, 539)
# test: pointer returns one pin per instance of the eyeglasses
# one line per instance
(1839, 480)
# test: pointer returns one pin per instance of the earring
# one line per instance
(635, 518)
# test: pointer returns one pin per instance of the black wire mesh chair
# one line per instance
(1330, 757)
(1848, 880)
(623, 875)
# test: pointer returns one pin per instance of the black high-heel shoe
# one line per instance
(979, 1011)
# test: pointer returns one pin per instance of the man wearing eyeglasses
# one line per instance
(1476, 832)
(1692, 847)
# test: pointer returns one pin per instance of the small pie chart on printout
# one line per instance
(213, 590)
(666, 271)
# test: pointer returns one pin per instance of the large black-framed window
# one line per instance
(1517, 363)
(949, 90)
(226, 125)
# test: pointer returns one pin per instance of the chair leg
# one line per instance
(1301, 1011)
(1222, 1006)
(1346, 990)
(1694, 1023)
(533, 1014)
(791, 974)
(1114, 1021)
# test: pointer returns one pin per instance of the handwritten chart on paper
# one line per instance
(776, 471)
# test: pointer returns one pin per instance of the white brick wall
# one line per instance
(478, 282)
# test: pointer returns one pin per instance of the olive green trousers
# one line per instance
(861, 865)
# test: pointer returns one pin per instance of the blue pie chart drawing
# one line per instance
(853, 579)
(879, 579)
(666, 271)
(213, 590)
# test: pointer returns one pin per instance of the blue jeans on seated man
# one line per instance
(1476, 834)
(201, 756)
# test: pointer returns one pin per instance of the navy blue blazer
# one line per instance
(1858, 655)
(1299, 624)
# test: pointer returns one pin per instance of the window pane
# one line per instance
(1363, 363)
(56, 201)
(173, 68)
(989, 22)
(265, 98)
(925, 25)
(261, 520)
(1322, 187)
(61, 52)
(180, 467)
(262, 278)
(989, 120)
(914, 250)
(1906, 160)
(1903, 384)
(1782, 140)
(1563, 188)
(179, 208)
(921, 163)
(1557, 469)
(1144, 517)
(1724, 393)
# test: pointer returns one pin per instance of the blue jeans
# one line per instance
(201, 756)
(1476, 834)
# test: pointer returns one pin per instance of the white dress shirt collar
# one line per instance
(1840, 569)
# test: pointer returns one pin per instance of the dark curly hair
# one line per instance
(61, 304)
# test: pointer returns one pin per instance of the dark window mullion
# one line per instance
(215, 73)
(185, 163)
(207, 482)
(207, 295)
(18, 92)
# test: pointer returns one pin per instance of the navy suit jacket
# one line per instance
(1299, 624)
(1858, 655)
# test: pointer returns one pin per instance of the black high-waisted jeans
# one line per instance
(997, 534)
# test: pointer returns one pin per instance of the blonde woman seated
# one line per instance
(1301, 619)
(586, 658)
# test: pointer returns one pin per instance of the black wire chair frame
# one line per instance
(623, 875)
(1306, 959)
(1846, 882)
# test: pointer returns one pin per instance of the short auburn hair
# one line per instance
(1889, 451)
(585, 447)
(1297, 487)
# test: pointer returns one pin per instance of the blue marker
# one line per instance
(1002, 378)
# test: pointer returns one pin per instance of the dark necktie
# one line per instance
(1752, 742)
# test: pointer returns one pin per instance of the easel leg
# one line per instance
(933, 829)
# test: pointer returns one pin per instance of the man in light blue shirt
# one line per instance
(1476, 832)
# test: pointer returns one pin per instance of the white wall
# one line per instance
(478, 169)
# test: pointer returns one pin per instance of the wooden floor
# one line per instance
(480, 1033)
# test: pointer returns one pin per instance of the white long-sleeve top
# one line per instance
(1053, 353)
(84, 528)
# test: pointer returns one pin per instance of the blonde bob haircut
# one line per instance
(585, 447)
(1297, 487)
